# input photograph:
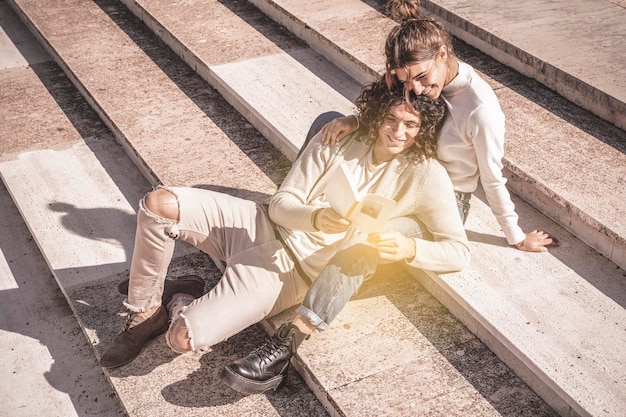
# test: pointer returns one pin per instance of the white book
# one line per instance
(368, 213)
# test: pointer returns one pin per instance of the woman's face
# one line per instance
(397, 133)
(426, 77)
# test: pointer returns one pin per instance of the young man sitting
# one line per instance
(294, 251)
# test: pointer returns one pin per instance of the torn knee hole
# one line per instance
(162, 203)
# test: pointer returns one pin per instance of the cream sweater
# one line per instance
(471, 145)
(422, 189)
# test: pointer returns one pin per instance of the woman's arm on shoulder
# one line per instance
(337, 129)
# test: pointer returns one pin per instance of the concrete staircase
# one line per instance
(234, 117)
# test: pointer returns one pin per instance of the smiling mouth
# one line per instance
(391, 139)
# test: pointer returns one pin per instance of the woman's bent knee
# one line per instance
(163, 203)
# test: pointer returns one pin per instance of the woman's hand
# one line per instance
(337, 129)
(536, 241)
(328, 221)
(393, 246)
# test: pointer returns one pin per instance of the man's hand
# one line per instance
(393, 246)
(328, 221)
(337, 129)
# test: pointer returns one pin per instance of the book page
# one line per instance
(368, 213)
(341, 192)
(372, 213)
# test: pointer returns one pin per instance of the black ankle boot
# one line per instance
(266, 367)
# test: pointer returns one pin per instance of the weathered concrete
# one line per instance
(535, 114)
(573, 47)
(78, 190)
(556, 319)
(47, 367)
(395, 351)
(502, 314)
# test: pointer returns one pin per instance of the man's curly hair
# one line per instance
(377, 98)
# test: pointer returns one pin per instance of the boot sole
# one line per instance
(248, 386)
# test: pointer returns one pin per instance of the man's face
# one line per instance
(397, 133)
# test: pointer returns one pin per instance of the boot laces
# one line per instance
(132, 321)
(269, 350)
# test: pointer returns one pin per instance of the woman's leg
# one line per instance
(317, 125)
(463, 204)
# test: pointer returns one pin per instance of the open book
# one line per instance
(368, 213)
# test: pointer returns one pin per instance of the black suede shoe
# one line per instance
(126, 346)
(188, 284)
(267, 366)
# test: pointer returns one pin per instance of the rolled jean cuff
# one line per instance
(313, 318)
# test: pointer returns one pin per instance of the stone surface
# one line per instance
(521, 305)
(395, 350)
(46, 367)
(545, 40)
(544, 314)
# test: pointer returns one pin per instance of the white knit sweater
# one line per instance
(422, 189)
(471, 145)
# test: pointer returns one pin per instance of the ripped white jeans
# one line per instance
(259, 279)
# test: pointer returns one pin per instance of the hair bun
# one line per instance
(403, 10)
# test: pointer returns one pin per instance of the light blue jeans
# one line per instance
(344, 274)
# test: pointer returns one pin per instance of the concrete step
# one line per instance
(44, 350)
(159, 382)
(555, 51)
(545, 40)
(43, 347)
(257, 66)
(122, 99)
(536, 173)
(77, 189)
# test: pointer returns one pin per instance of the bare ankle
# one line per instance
(303, 324)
